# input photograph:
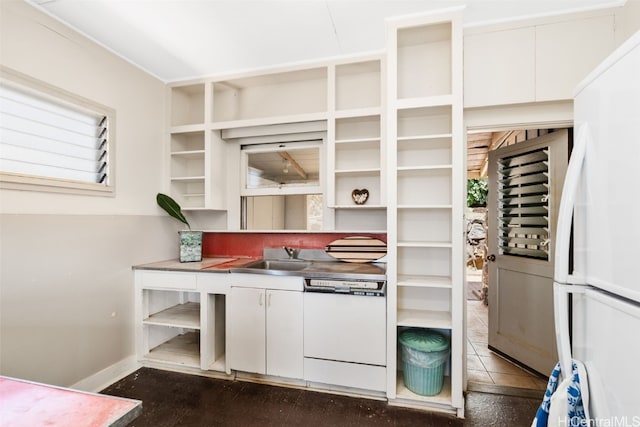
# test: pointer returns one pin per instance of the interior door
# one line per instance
(525, 185)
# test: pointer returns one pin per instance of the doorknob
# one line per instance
(491, 258)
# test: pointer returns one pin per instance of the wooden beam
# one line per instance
(285, 155)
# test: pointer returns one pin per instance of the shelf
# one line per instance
(443, 398)
(180, 316)
(187, 178)
(424, 318)
(428, 101)
(187, 129)
(424, 244)
(358, 112)
(358, 172)
(183, 350)
(359, 207)
(423, 168)
(424, 281)
(359, 141)
(426, 137)
(275, 120)
(191, 155)
(411, 207)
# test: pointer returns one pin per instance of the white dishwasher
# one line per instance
(345, 333)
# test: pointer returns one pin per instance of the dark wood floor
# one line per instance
(176, 399)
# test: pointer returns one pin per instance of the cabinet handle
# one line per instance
(261, 296)
(269, 300)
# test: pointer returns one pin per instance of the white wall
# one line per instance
(66, 296)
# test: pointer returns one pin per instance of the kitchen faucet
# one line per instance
(292, 252)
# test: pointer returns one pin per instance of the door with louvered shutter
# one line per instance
(525, 184)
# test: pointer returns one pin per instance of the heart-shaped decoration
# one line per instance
(360, 197)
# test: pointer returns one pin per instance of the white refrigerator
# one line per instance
(597, 283)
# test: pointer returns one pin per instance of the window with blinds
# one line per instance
(52, 141)
(523, 204)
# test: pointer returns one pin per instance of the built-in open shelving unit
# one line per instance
(425, 187)
(171, 327)
(196, 155)
(356, 148)
(181, 319)
(347, 95)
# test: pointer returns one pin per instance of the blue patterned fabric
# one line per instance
(575, 409)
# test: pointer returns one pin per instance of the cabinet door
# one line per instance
(246, 340)
(499, 67)
(284, 334)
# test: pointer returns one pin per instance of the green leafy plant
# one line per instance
(477, 189)
(172, 208)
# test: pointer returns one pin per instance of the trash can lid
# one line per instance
(424, 340)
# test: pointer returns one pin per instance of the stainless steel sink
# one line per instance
(278, 265)
(272, 266)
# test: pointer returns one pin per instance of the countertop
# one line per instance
(210, 265)
(26, 403)
(317, 269)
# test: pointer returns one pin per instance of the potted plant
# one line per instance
(190, 241)
(477, 189)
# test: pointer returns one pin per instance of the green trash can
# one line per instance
(424, 356)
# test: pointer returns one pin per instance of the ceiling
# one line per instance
(181, 39)
(177, 40)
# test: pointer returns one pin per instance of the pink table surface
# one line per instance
(25, 403)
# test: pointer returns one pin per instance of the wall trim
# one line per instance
(541, 115)
(104, 378)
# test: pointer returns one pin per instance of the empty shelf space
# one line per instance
(182, 315)
(181, 350)
(424, 318)
(424, 281)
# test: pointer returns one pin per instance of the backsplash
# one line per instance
(215, 244)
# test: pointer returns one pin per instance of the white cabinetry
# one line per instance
(356, 149)
(499, 67)
(247, 339)
(278, 97)
(265, 334)
(425, 182)
(197, 154)
(538, 61)
(180, 319)
(347, 95)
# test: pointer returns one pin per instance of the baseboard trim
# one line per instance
(104, 378)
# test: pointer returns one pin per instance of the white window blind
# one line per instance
(43, 136)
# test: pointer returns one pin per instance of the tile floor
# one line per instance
(486, 367)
